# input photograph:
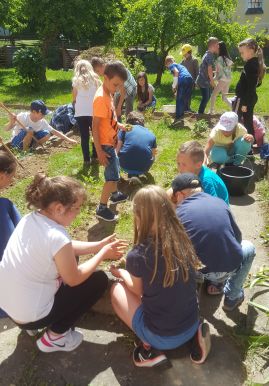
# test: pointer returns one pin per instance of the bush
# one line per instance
(30, 66)
(199, 129)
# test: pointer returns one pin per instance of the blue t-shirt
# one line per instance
(136, 151)
(182, 71)
(213, 184)
(203, 78)
(213, 232)
(167, 311)
(9, 218)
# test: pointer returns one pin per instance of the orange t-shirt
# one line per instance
(103, 107)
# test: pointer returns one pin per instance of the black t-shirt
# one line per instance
(213, 232)
(246, 86)
(167, 311)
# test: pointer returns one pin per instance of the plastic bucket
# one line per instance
(236, 179)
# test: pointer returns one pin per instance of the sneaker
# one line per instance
(32, 332)
(201, 344)
(118, 197)
(230, 305)
(66, 342)
(148, 357)
(106, 214)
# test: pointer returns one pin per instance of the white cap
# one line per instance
(228, 121)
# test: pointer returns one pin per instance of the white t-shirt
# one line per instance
(84, 101)
(28, 274)
(25, 119)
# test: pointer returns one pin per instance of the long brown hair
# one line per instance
(253, 45)
(154, 216)
(45, 190)
(140, 94)
(7, 163)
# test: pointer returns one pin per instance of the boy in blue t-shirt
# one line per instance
(190, 158)
(182, 85)
(136, 148)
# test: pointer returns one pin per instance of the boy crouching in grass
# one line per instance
(36, 128)
(105, 134)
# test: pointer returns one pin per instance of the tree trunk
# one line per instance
(161, 68)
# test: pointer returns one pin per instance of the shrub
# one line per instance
(199, 129)
(30, 66)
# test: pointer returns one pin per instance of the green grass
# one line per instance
(57, 90)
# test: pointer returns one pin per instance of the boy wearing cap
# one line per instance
(38, 128)
(190, 158)
(216, 238)
(190, 62)
(229, 141)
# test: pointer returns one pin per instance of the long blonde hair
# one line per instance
(84, 75)
(253, 45)
(154, 216)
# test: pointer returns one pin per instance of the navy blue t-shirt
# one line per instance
(213, 232)
(136, 151)
(167, 311)
(9, 218)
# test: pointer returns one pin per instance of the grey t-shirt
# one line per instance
(203, 78)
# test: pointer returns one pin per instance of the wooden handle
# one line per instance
(10, 152)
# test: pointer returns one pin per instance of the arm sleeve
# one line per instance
(175, 82)
(134, 263)
(121, 135)
(251, 84)
(209, 188)
(99, 108)
(57, 240)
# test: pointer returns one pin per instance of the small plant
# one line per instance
(30, 66)
(199, 129)
(261, 278)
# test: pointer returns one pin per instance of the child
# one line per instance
(190, 158)
(229, 141)
(98, 65)
(126, 93)
(36, 125)
(9, 215)
(41, 284)
(182, 85)
(105, 131)
(251, 77)
(136, 148)
(157, 295)
(259, 131)
(223, 76)
(191, 63)
(85, 84)
(145, 93)
(205, 78)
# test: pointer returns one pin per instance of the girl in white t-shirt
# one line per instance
(85, 83)
(41, 284)
(223, 77)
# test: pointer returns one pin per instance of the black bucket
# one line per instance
(236, 179)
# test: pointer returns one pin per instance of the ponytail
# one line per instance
(44, 190)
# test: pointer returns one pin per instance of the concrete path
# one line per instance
(104, 358)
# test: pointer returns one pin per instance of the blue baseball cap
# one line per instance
(185, 181)
(40, 107)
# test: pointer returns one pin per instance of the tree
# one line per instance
(72, 19)
(12, 15)
(166, 24)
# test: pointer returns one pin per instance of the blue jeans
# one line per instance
(157, 341)
(112, 170)
(184, 92)
(222, 155)
(17, 141)
(206, 93)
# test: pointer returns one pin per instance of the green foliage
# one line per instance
(12, 15)
(199, 129)
(165, 25)
(261, 278)
(30, 66)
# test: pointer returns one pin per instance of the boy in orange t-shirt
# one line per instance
(105, 134)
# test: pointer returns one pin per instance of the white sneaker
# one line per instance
(32, 332)
(66, 342)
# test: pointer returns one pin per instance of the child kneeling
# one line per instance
(157, 295)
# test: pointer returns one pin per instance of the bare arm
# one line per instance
(134, 284)
(154, 151)
(102, 155)
(119, 146)
(62, 135)
(211, 76)
(74, 94)
(148, 102)
(11, 123)
(208, 147)
(87, 247)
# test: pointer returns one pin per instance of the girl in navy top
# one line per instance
(156, 296)
(251, 77)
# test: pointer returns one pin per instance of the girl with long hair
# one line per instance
(145, 93)
(156, 296)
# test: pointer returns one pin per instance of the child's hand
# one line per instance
(12, 118)
(108, 240)
(103, 158)
(116, 272)
(248, 138)
(212, 84)
(114, 250)
(244, 109)
(70, 140)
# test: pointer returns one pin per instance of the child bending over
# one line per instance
(156, 297)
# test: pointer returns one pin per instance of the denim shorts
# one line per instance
(112, 170)
(157, 341)
(17, 141)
